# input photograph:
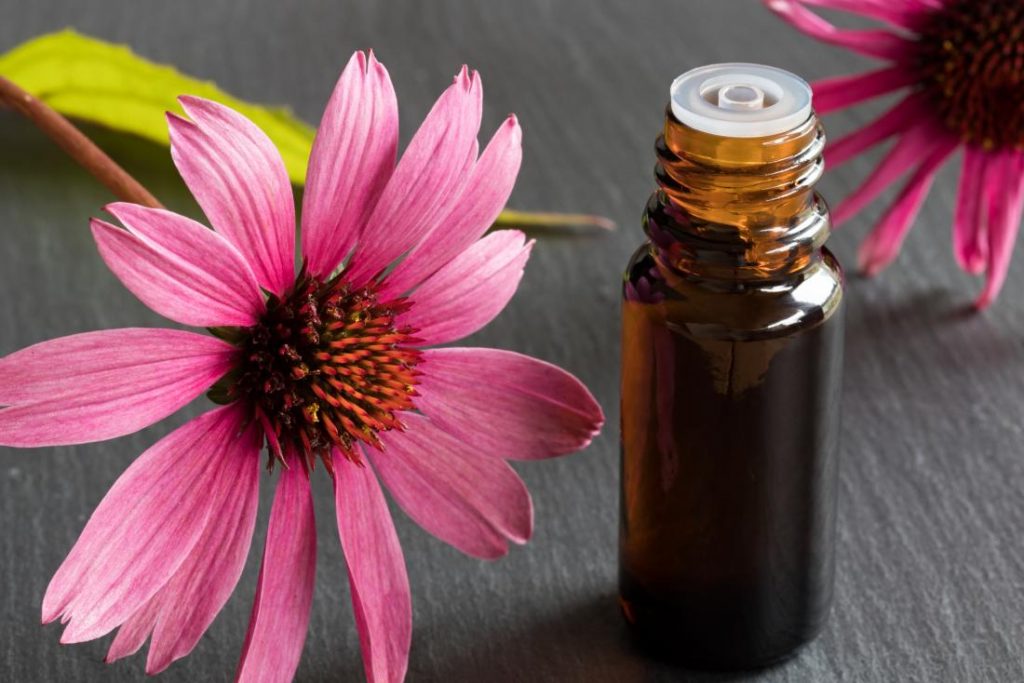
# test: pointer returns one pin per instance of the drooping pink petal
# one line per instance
(918, 143)
(353, 156)
(898, 119)
(899, 14)
(970, 243)
(507, 405)
(465, 498)
(132, 634)
(470, 290)
(1004, 215)
(284, 594)
(427, 182)
(835, 94)
(871, 42)
(489, 187)
(146, 526)
(237, 176)
(882, 245)
(188, 603)
(100, 385)
(376, 572)
(179, 268)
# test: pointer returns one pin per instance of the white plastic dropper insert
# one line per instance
(740, 100)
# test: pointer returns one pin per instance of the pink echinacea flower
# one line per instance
(960, 64)
(340, 363)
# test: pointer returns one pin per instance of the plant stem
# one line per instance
(510, 218)
(80, 148)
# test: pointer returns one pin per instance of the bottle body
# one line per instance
(729, 475)
(731, 369)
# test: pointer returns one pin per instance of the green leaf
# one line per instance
(106, 84)
(103, 83)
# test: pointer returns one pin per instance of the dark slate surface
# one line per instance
(931, 567)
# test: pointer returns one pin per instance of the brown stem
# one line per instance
(83, 150)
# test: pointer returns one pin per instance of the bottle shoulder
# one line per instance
(733, 310)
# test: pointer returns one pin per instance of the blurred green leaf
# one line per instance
(103, 83)
(106, 84)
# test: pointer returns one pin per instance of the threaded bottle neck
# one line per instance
(733, 208)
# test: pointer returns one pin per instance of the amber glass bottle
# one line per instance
(731, 361)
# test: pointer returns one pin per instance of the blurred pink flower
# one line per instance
(960, 64)
(341, 367)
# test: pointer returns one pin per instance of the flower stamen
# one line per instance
(326, 367)
(971, 62)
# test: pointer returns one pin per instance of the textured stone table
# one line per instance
(931, 563)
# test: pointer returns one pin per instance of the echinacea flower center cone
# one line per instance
(971, 59)
(326, 366)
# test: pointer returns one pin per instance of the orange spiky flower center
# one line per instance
(327, 366)
(971, 62)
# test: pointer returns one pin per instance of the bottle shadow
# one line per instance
(586, 643)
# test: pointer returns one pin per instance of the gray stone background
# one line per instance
(931, 569)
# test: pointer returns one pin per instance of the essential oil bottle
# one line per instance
(732, 345)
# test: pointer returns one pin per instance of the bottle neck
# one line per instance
(737, 208)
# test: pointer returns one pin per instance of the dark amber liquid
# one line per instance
(730, 388)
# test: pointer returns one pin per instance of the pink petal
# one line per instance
(835, 94)
(428, 181)
(485, 196)
(185, 607)
(179, 268)
(970, 245)
(100, 385)
(1004, 214)
(898, 119)
(882, 245)
(870, 42)
(507, 405)
(471, 290)
(353, 156)
(237, 176)
(917, 143)
(469, 500)
(133, 633)
(146, 526)
(284, 595)
(376, 572)
(890, 11)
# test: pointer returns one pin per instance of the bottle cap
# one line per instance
(740, 100)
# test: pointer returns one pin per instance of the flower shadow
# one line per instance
(935, 327)
(42, 166)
